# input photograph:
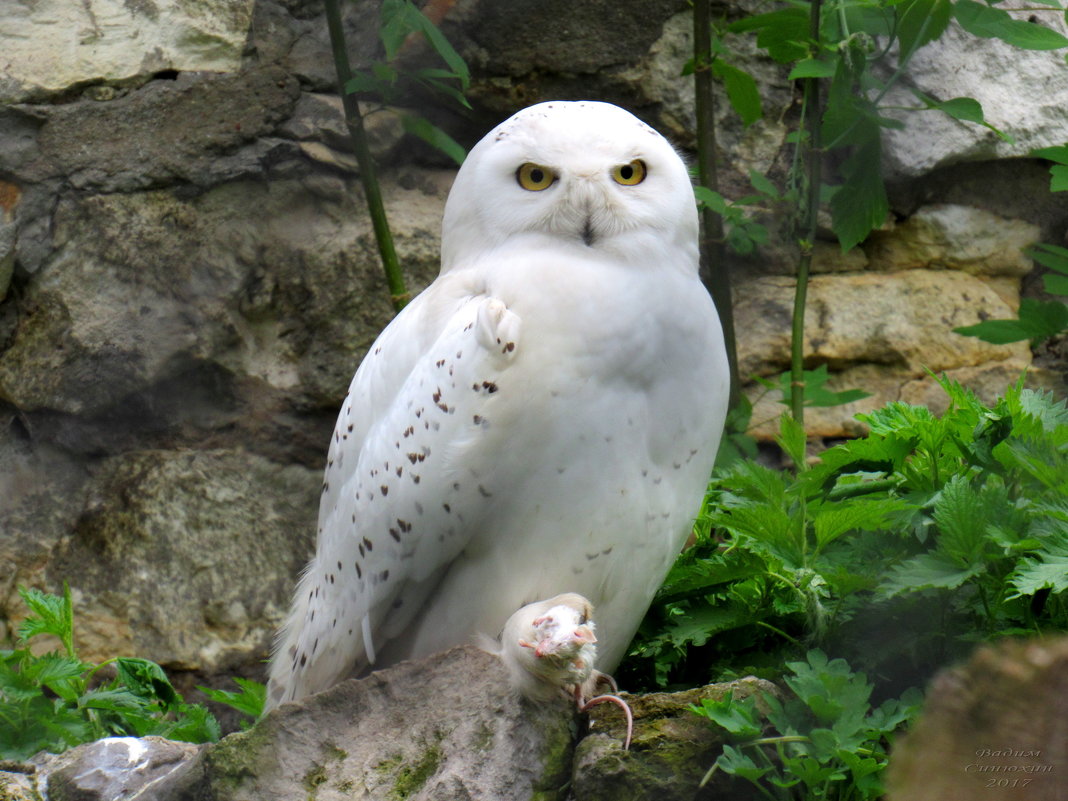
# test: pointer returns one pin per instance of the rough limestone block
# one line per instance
(1023, 93)
(186, 557)
(50, 45)
(114, 769)
(878, 332)
(994, 728)
(951, 237)
(671, 751)
(444, 727)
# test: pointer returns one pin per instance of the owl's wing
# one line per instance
(401, 487)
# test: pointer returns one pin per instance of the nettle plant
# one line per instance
(55, 700)
(897, 550)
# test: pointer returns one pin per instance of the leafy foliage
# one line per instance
(389, 83)
(854, 55)
(829, 741)
(1038, 319)
(55, 701)
(954, 524)
(743, 233)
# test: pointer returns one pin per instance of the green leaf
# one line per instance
(920, 22)
(962, 515)
(926, 571)
(145, 679)
(249, 700)
(1053, 256)
(831, 522)
(1047, 570)
(812, 68)
(51, 615)
(982, 20)
(736, 763)
(763, 185)
(1058, 181)
(194, 724)
(709, 199)
(1058, 154)
(1039, 319)
(860, 205)
(963, 108)
(430, 133)
(445, 50)
(739, 717)
(111, 700)
(366, 83)
(742, 91)
(816, 394)
(783, 33)
(1056, 284)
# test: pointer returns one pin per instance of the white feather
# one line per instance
(543, 418)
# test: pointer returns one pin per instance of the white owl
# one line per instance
(542, 419)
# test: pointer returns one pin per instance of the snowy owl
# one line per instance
(542, 419)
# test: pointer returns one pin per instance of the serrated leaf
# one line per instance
(193, 724)
(1047, 570)
(249, 700)
(982, 20)
(738, 716)
(742, 91)
(737, 763)
(832, 521)
(145, 679)
(962, 514)
(783, 33)
(698, 625)
(920, 22)
(112, 700)
(860, 205)
(926, 571)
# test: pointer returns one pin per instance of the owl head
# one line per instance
(585, 175)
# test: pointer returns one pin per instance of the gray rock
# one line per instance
(995, 727)
(17, 786)
(671, 752)
(115, 769)
(52, 44)
(185, 556)
(1024, 93)
(263, 282)
(445, 727)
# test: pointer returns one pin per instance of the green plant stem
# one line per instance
(713, 253)
(398, 294)
(811, 142)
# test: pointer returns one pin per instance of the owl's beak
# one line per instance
(587, 233)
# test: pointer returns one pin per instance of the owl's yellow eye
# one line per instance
(629, 174)
(534, 177)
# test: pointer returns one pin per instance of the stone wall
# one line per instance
(188, 278)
